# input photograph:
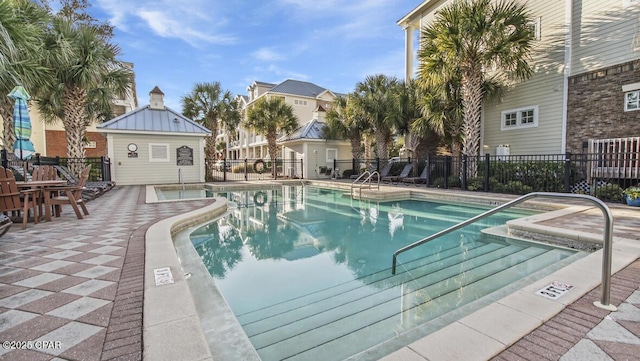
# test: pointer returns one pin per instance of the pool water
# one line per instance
(307, 273)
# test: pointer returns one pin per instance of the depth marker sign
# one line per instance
(163, 276)
(554, 290)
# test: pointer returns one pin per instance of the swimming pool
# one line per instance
(306, 270)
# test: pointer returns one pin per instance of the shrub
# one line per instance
(609, 192)
(517, 187)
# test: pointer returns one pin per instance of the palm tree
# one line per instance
(208, 105)
(407, 112)
(22, 26)
(345, 122)
(478, 40)
(374, 98)
(269, 117)
(84, 84)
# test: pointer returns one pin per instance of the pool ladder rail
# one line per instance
(607, 246)
(366, 181)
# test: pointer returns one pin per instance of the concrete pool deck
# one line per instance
(86, 285)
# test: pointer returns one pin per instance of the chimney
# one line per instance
(157, 99)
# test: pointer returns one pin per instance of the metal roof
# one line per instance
(296, 87)
(310, 130)
(146, 119)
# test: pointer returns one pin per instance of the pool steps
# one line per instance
(335, 324)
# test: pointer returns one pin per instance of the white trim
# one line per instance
(111, 155)
(626, 103)
(122, 131)
(568, 24)
(630, 87)
(518, 119)
(154, 160)
(327, 150)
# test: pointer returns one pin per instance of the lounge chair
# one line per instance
(15, 201)
(396, 179)
(421, 179)
(93, 189)
(383, 172)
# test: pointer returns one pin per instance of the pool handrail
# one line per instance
(607, 237)
(367, 179)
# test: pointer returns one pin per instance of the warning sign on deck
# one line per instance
(555, 290)
(163, 276)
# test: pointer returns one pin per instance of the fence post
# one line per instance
(447, 169)
(353, 166)
(5, 158)
(301, 168)
(246, 177)
(37, 159)
(567, 172)
(378, 164)
(102, 175)
(487, 159)
(427, 181)
(224, 169)
(463, 181)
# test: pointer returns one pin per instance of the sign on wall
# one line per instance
(184, 155)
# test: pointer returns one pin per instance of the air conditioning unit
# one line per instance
(502, 151)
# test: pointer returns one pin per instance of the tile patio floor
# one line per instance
(74, 288)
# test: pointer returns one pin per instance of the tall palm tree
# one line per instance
(85, 83)
(374, 97)
(477, 40)
(22, 26)
(269, 117)
(345, 122)
(209, 105)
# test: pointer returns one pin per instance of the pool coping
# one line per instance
(173, 329)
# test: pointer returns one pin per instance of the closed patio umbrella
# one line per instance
(23, 147)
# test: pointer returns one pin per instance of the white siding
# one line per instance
(544, 89)
(604, 34)
(129, 171)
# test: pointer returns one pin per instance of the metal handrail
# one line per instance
(368, 179)
(607, 239)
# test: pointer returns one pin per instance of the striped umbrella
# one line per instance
(23, 147)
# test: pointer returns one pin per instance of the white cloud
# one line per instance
(267, 54)
(185, 20)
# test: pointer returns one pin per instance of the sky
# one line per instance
(331, 43)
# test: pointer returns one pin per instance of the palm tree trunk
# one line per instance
(273, 152)
(381, 145)
(472, 106)
(8, 134)
(356, 151)
(75, 125)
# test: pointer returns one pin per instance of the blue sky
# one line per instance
(332, 43)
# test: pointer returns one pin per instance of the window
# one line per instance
(520, 118)
(332, 154)
(632, 100)
(535, 27)
(300, 102)
(158, 152)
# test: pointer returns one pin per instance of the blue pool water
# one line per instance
(306, 271)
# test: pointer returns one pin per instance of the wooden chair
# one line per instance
(15, 201)
(44, 172)
(72, 195)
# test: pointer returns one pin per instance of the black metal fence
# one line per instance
(100, 166)
(602, 175)
(222, 170)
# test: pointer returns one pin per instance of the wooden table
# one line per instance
(42, 185)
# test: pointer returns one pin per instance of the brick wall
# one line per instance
(57, 144)
(596, 105)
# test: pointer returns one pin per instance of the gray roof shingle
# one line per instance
(296, 87)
